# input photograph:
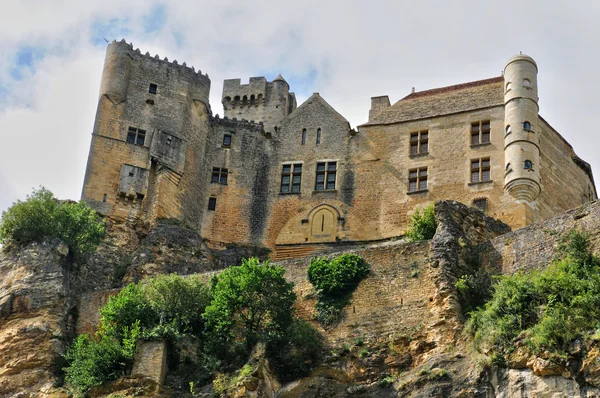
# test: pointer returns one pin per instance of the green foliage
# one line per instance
(41, 216)
(165, 307)
(422, 225)
(338, 276)
(250, 303)
(296, 353)
(474, 289)
(95, 360)
(335, 280)
(178, 303)
(547, 309)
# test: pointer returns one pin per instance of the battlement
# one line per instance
(235, 123)
(124, 46)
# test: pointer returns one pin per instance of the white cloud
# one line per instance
(346, 50)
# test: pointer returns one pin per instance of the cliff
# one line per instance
(401, 335)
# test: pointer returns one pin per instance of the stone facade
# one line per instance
(272, 174)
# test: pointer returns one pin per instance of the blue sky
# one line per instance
(51, 58)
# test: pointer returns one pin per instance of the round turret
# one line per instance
(115, 76)
(522, 132)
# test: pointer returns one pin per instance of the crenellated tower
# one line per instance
(259, 100)
(152, 120)
(522, 129)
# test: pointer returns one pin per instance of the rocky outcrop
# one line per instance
(36, 307)
(407, 312)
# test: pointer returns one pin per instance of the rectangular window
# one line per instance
(136, 136)
(291, 178)
(219, 176)
(480, 170)
(227, 140)
(481, 204)
(212, 203)
(153, 88)
(326, 172)
(419, 142)
(480, 132)
(417, 179)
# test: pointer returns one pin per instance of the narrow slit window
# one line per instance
(508, 130)
(303, 136)
(153, 88)
(104, 199)
(527, 126)
(212, 204)
(318, 136)
(417, 179)
(227, 140)
(528, 165)
(326, 176)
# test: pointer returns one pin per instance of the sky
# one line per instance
(52, 53)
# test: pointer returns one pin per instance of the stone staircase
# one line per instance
(295, 251)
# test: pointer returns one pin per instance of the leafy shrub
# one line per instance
(296, 353)
(95, 360)
(474, 289)
(422, 225)
(178, 303)
(165, 307)
(41, 216)
(250, 303)
(335, 281)
(338, 276)
(548, 309)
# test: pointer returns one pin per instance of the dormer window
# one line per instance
(153, 88)
(527, 126)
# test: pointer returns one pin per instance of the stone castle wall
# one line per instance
(170, 175)
(535, 246)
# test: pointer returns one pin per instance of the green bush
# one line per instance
(422, 225)
(162, 307)
(41, 216)
(335, 281)
(548, 308)
(178, 303)
(250, 303)
(338, 276)
(92, 361)
(474, 289)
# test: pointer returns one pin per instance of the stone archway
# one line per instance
(323, 225)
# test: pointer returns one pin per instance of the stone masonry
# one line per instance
(273, 174)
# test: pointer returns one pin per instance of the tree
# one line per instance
(41, 216)
(250, 303)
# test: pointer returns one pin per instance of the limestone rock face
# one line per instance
(523, 383)
(35, 317)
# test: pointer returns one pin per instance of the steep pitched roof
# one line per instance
(443, 101)
(314, 100)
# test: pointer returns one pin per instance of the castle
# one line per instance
(274, 174)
